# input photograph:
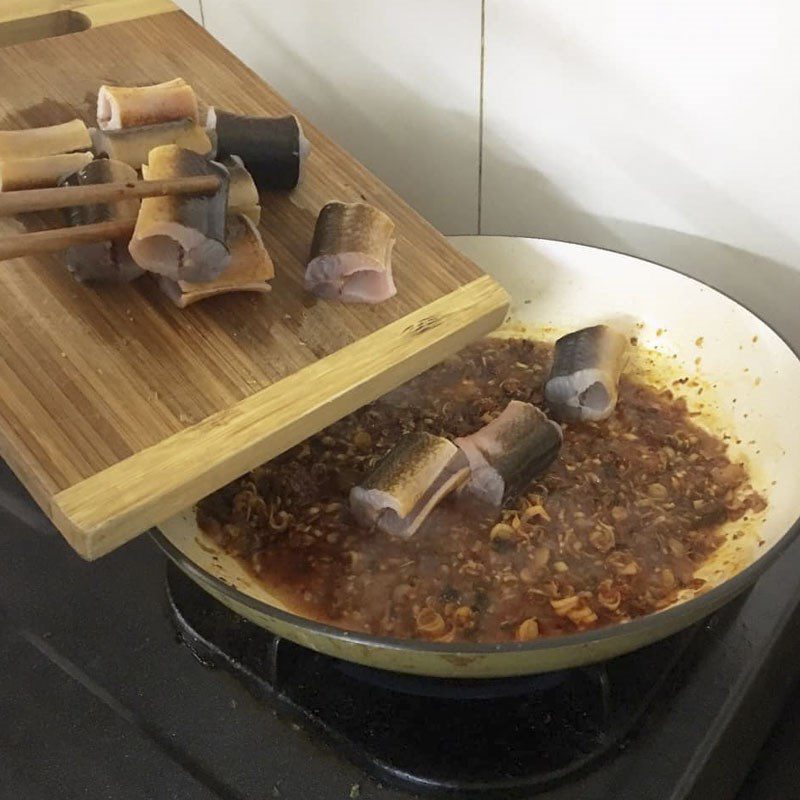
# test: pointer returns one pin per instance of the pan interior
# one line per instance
(746, 372)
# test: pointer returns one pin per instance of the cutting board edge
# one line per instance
(102, 512)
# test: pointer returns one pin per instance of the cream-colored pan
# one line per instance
(750, 380)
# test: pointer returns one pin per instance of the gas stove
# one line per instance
(123, 679)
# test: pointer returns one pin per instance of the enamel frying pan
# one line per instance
(747, 372)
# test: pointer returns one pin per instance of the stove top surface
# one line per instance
(500, 738)
(102, 698)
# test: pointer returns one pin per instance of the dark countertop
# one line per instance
(776, 773)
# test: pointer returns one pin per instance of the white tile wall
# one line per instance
(397, 84)
(192, 7)
(669, 130)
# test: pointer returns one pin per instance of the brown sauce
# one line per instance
(612, 530)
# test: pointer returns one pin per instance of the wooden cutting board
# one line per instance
(118, 410)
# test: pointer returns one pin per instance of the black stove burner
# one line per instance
(498, 738)
(453, 689)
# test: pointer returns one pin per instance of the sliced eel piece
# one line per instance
(131, 106)
(408, 483)
(249, 270)
(351, 254)
(272, 148)
(41, 172)
(584, 380)
(242, 192)
(68, 137)
(182, 237)
(133, 145)
(110, 261)
(508, 453)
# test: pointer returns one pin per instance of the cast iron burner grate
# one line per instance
(484, 738)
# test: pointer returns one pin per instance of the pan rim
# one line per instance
(704, 603)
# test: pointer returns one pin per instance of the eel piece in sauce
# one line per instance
(110, 261)
(41, 172)
(351, 254)
(242, 192)
(584, 380)
(249, 270)
(272, 148)
(68, 137)
(131, 106)
(183, 236)
(406, 485)
(133, 145)
(508, 453)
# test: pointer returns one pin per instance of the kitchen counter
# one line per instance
(776, 772)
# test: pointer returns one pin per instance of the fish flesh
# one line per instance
(408, 483)
(249, 270)
(508, 453)
(584, 380)
(182, 236)
(68, 137)
(242, 192)
(40, 172)
(131, 106)
(351, 254)
(109, 261)
(273, 149)
(133, 145)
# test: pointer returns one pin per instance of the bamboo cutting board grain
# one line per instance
(117, 410)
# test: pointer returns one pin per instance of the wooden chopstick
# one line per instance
(24, 244)
(25, 200)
